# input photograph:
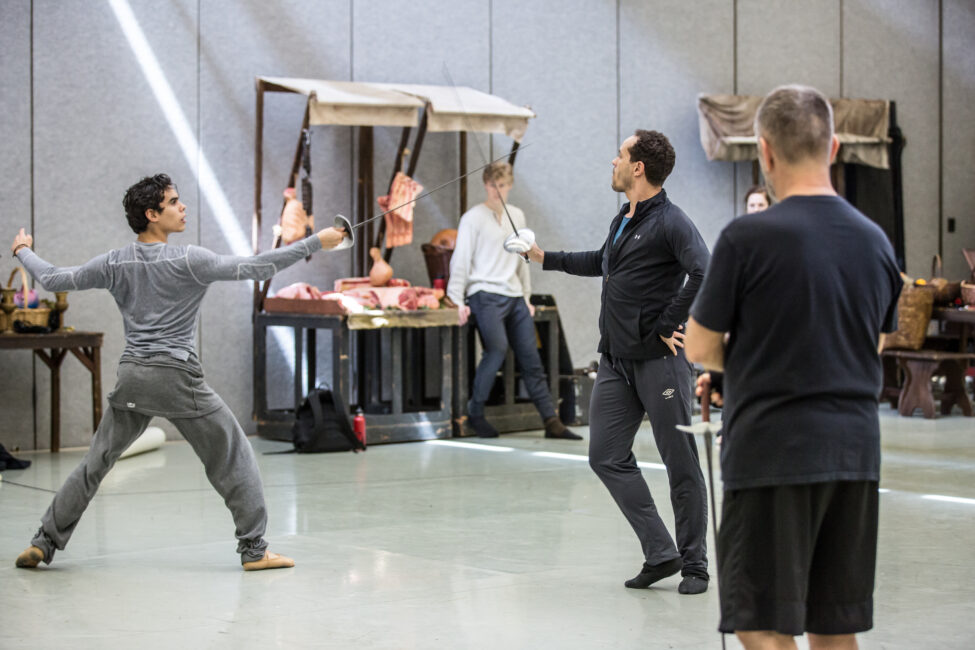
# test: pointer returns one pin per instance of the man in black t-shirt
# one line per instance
(804, 290)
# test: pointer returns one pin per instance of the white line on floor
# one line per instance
(469, 445)
(941, 497)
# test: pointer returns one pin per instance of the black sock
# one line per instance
(693, 585)
(9, 462)
(652, 573)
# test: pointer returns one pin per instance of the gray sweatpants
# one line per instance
(217, 439)
(663, 389)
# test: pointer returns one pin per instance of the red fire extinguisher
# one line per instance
(359, 426)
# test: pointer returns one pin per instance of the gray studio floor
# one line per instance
(505, 544)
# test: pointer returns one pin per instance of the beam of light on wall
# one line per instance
(468, 445)
(941, 497)
(213, 194)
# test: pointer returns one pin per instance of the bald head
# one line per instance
(797, 124)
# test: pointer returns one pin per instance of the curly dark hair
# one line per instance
(147, 194)
(654, 150)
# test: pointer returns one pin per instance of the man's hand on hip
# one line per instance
(675, 341)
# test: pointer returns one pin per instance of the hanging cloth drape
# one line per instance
(727, 128)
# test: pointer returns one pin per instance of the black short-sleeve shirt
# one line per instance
(804, 288)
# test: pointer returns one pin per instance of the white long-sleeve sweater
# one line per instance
(479, 261)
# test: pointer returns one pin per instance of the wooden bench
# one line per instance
(918, 367)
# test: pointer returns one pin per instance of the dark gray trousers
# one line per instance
(663, 389)
(504, 321)
(217, 439)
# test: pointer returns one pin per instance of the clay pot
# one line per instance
(446, 238)
(381, 272)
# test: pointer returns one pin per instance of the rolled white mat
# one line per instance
(151, 438)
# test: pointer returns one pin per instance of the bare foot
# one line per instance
(269, 561)
(30, 558)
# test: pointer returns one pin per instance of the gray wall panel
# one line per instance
(98, 128)
(891, 52)
(782, 41)
(238, 43)
(563, 181)
(959, 133)
(671, 56)
(16, 367)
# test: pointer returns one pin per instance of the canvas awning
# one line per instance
(356, 103)
(727, 128)
(459, 108)
(350, 103)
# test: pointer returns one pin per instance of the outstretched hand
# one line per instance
(536, 254)
(22, 239)
(331, 237)
(676, 340)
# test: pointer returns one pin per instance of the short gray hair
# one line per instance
(797, 122)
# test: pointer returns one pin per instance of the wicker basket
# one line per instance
(32, 316)
(913, 315)
(968, 293)
(945, 291)
(438, 262)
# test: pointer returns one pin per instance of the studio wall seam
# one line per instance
(33, 365)
(941, 128)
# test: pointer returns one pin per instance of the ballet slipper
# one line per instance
(30, 558)
(269, 561)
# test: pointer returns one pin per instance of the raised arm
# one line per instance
(586, 263)
(208, 266)
(93, 274)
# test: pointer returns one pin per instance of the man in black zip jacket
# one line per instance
(651, 248)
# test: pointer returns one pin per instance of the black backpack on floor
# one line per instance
(322, 424)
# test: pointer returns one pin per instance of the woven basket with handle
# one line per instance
(913, 315)
(31, 316)
(945, 291)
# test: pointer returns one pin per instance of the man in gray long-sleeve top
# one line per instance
(652, 247)
(159, 288)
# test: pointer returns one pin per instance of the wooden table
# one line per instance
(378, 363)
(919, 366)
(965, 318)
(51, 349)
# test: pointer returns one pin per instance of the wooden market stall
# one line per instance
(382, 362)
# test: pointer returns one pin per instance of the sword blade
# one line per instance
(437, 188)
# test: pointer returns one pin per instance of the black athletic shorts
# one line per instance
(798, 558)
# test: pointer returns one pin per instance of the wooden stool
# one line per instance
(919, 366)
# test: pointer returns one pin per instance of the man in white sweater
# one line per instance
(497, 288)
